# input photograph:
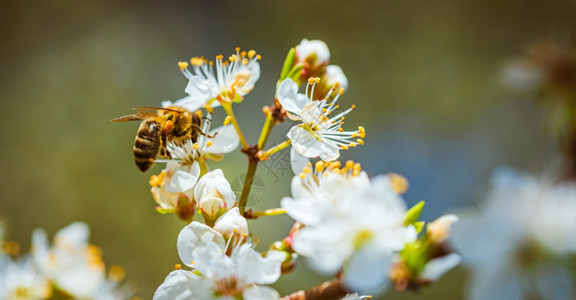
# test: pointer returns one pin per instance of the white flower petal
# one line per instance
(297, 161)
(231, 222)
(325, 248)
(225, 141)
(182, 180)
(193, 236)
(368, 269)
(201, 90)
(75, 234)
(437, 267)
(176, 286)
(304, 142)
(253, 268)
(496, 282)
(260, 293)
(335, 74)
(290, 99)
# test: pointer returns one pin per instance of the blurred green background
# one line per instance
(423, 74)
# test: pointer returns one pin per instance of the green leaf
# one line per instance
(413, 213)
(294, 74)
(288, 63)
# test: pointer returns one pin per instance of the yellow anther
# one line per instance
(258, 57)
(245, 61)
(196, 61)
(311, 80)
(219, 57)
(336, 164)
(355, 134)
(349, 164)
(243, 53)
(196, 146)
(358, 166)
(302, 175)
(361, 129)
(227, 120)
(343, 118)
(399, 183)
(192, 262)
(337, 106)
(352, 145)
(177, 266)
(340, 129)
(156, 180)
(116, 273)
(353, 106)
(325, 173)
(183, 65)
(244, 235)
(336, 171)
(341, 123)
(209, 143)
(235, 230)
(336, 85)
(232, 58)
(225, 63)
(237, 49)
(208, 108)
(307, 171)
(343, 147)
(324, 110)
(211, 63)
(341, 91)
(319, 167)
(251, 53)
(360, 141)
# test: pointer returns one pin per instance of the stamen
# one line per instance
(258, 57)
(177, 266)
(237, 49)
(116, 273)
(360, 141)
(196, 146)
(319, 167)
(209, 143)
(251, 54)
(302, 175)
(340, 129)
(344, 147)
(227, 120)
(183, 65)
(352, 145)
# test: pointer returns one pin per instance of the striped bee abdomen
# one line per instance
(147, 144)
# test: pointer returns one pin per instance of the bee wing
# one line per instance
(153, 109)
(127, 118)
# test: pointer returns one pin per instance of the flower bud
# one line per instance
(439, 230)
(231, 223)
(314, 54)
(333, 75)
(213, 195)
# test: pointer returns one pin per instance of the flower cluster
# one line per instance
(70, 268)
(345, 222)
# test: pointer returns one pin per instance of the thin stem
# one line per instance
(228, 108)
(252, 165)
(269, 212)
(266, 129)
(275, 149)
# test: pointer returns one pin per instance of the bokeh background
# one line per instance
(423, 74)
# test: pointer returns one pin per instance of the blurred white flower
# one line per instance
(219, 80)
(313, 54)
(437, 267)
(319, 134)
(352, 223)
(71, 263)
(519, 244)
(19, 280)
(216, 274)
(213, 195)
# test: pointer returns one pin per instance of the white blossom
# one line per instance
(19, 280)
(519, 243)
(219, 80)
(352, 223)
(318, 134)
(216, 274)
(313, 54)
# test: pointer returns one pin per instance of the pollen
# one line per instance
(319, 167)
(156, 180)
(209, 143)
(177, 266)
(399, 183)
(183, 65)
(196, 146)
(227, 120)
(116, 273)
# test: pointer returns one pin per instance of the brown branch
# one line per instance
(333, 289)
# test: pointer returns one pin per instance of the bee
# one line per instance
(159, 127)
